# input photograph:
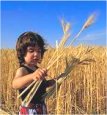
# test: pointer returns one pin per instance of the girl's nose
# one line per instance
(35, 53)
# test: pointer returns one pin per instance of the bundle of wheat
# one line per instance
(71, 63)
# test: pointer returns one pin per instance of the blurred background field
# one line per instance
(83, 93)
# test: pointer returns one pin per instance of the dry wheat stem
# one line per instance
(30, 93)
(26, 89)
(89, 21)
(36, 86)
(65, 26)
(60, 46)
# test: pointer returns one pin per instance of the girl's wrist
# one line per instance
(34, 77)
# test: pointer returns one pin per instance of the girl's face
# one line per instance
(33, 55)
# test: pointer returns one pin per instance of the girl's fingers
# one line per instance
(43, 71)
(40, 74)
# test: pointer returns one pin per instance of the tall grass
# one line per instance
(83, 92)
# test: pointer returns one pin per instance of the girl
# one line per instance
(30, 49)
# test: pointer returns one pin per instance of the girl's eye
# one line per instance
(31, 51)
(39, 51)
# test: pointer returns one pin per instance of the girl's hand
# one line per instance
(40, 74)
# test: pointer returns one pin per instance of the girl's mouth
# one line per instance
(35, 60)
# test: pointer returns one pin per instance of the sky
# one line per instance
(44, 17)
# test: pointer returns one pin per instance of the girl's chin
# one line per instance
(32, 64)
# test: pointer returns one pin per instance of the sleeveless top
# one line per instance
(37, 99)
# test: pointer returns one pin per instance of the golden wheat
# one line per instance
(83, 92)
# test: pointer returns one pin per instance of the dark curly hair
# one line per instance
(29, 39)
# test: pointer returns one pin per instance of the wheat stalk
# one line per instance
(88, 22)
(28, 99)
(62, 42)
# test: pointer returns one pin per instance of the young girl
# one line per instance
(30, 49)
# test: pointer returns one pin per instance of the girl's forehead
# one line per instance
(33, 47)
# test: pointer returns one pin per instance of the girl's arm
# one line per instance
(23, 78)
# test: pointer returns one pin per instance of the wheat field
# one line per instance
(84, 92)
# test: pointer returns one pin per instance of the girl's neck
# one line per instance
(31, 67)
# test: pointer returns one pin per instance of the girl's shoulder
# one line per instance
(22, 69)
(21, 72)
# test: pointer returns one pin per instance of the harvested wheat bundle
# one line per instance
(73, 62)
(70, 65)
